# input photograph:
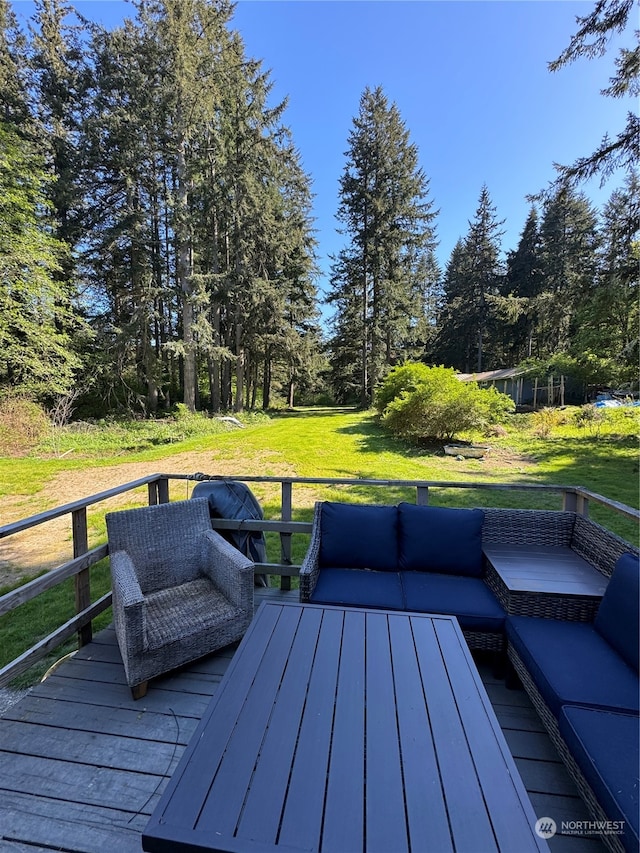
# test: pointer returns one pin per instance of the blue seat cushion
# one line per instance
(571, 664)
(618, 615)
(606, 747)
(358, 588)
(440, 539)
(359, 537)
(470, 599)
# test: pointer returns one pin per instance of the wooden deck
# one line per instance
(82, 765)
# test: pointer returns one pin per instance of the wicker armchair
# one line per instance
(179, 590)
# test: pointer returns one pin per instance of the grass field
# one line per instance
(553, 448)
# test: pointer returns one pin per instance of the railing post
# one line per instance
(158, 491)
(575, 502)
(83, 578)
(285, 538)
(422, 495)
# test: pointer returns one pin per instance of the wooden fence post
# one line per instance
(573, 502)
(422, 495)
(83, 578)
(285, 538)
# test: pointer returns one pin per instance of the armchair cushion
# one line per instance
(588, 671)
(361, 537)
(470, 599)
(617, 619)
(359, 588)
(440, 539)
(180, 611)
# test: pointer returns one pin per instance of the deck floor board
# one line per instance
(82, 764)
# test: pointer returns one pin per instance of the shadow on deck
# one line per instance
(82, 765)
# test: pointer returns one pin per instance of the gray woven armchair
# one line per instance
(180, 591)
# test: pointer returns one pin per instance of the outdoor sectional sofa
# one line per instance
(406, 557)
(583, 680)
(576, 656)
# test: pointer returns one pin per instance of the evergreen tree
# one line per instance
(472, 282)
(36, 355)
(386, 214)
(14, 103)
(60, 79)
(568, 252)
(591, 40)
(523, 282)
(606, 337)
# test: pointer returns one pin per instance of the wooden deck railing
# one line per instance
(574, 498)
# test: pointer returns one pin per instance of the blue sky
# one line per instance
(469, 77)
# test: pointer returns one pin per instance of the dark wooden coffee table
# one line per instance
(347, 730)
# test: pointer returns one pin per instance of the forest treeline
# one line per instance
(157, 242)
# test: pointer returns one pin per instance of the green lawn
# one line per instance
(334, 443)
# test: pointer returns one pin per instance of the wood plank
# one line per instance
(545, 777)
(302, 819)
(72, 691)
(30, 821)
(470, 826)
(386, 827)
(260, 818)
(144, 725)
(344, 806)
(91, 748)
(95, 786)
(511, 815)
(203, 764)
(425, 805)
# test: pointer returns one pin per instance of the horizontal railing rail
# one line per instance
(574, 498)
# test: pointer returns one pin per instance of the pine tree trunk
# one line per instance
(184, 279)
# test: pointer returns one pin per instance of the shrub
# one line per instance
(431, 402)
(23, 424)
(545, 420)
(405, 378)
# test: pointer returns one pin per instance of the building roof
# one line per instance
(491, 375)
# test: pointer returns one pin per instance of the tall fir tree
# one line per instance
(607, 321)
(569, 239)
(522, 284)
(473, 280)
(388, 217)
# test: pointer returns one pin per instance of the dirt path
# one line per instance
(50, 544)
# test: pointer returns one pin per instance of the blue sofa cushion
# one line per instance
(440, 539)
(606, 748)
(618, 615)
(358, 588)
(470, 599)
(571, 664)
(359, 537)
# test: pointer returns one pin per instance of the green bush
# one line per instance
(400, 380)
(431, 402)
(23, 423)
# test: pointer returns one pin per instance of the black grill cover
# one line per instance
(231, 499)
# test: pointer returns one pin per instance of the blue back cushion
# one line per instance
(439, 539)
(359, 537)
(617, 618)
